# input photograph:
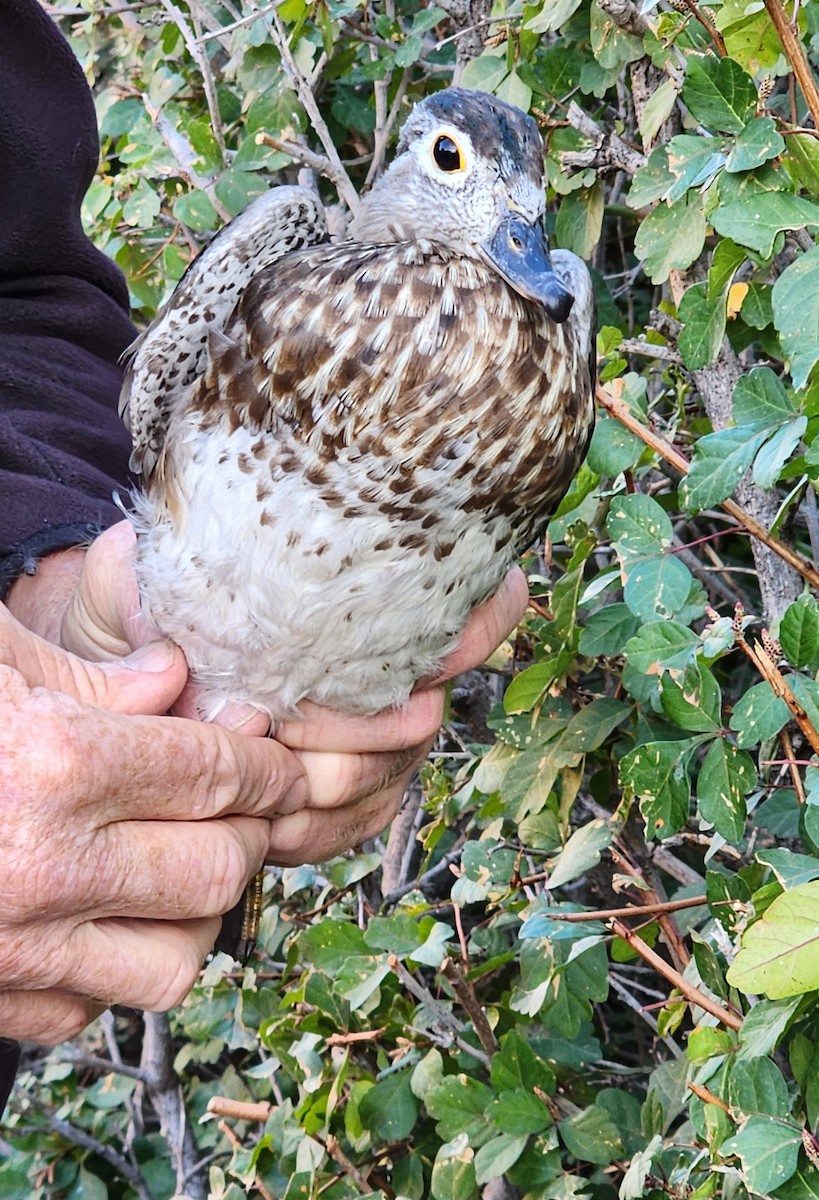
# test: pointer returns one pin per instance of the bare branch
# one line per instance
(608, 152)
(165, 1093)
(339, 176)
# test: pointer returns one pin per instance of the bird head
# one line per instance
(468, 175)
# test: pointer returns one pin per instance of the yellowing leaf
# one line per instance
(780, 952)
(736, 294)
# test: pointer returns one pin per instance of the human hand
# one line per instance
(358, 766)
(114, 871)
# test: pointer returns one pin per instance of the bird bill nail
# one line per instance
(519, 253)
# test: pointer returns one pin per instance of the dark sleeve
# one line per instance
(63, 306)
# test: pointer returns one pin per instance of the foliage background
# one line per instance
(456, 1011)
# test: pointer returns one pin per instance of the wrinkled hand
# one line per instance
(114, 871)
(358, 766)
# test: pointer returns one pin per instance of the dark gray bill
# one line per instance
(519, 252)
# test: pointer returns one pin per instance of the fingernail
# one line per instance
(155, 657)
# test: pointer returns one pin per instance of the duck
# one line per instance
(343, 445)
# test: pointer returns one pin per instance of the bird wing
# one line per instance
(408, 356)
(165, 360)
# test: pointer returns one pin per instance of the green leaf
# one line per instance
(551, 17)
(697, 711)
(330, 944)
(803, 161)
(719, 93)
(727, 258)
(638, 526)
(591, 1136)
(720, 461)
(757, 142)
(657, 587)
(657, 774)
(607, 631)
(803, 1185)
(757, 308)
(758, 714)
(389, 1110)
(526, 689)
(768, 1150)
(777, 450)
(581, 852)
(799, 631)
(761, 398)
(195, 209)
(756, 221)
(516, 1065)
(672, 236)
(703, 326)
(580, 219)
(657, 109)
(790, 868)
(519, 1111)
(611, 46)
(779, 955)
(494, 1159)
(485, 72)
(796, 314)
(459, 1106)
(345, 871)
(726, 776)
(764, 1026)
(756, 1085)
(662, 646)
(453, 1172)
(590, 727)
(749, 35)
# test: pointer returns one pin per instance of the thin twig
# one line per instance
(796, 57)
(365, 1035)
(796, 778)
(469, 1002)
(617, 408)
(692, 994)
(70, 1133)
(201, 59)
(93, 1061)
(349, 1168)
(707, 1096)
(225, 29)
(632, 910)
(239, 1110)
(237, 1145)
(337, 173)
(769, 671)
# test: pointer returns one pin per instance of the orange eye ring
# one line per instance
(447, 154)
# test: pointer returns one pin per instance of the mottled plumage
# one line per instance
(342, 464)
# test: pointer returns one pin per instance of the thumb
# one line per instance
(147, 682)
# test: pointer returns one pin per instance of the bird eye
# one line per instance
(447, 154)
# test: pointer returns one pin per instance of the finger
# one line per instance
(394, 729)
(149, 681)
(143, 964)
(165, 768)
(241, 718)
(486, 628)
(164, 870)
(103, 619)
(313, 835)
(48, 1016)
(339, 780)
